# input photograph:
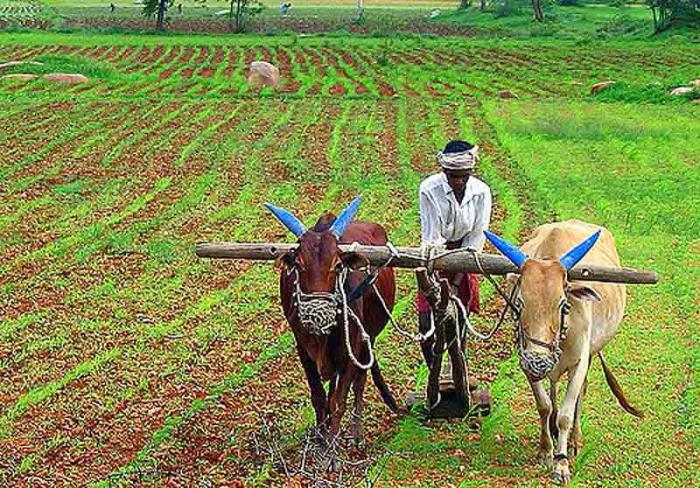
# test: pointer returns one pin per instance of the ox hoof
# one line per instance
(561, 475)
(544, 458)
(356, 434)
(577, 445)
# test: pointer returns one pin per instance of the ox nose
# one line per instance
(536, 365)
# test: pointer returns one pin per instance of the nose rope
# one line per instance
(318, 313)
(537, 365)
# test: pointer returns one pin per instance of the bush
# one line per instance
(67, 64)
(505, 8)
(651, 93)
(620, 25)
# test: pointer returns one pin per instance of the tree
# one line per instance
(240, 11)
(537, 10)
(669, 12)
(158, 8)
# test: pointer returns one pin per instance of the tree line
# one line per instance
(665, 13)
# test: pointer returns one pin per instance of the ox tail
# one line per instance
(386, 395)
(617, 390)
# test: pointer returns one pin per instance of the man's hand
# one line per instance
(428, 250)
(456, 282)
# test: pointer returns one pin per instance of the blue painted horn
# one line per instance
(516, 256)
(288, 220)
(345, 218)
(572, 257)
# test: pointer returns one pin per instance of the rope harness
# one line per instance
(537, 365)
(318, 313)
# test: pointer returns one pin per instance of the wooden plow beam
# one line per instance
(410, 258)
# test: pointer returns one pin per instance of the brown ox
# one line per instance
(562, 324)
(310, 287)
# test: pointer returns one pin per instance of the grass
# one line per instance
(580, 21)
(128, 355)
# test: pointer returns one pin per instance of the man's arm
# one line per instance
(429, 220)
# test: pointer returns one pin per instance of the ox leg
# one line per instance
(318, 394)
(577, 434)
(565, 420)
(544, 408)
(358, 388)
(553, 429)
(337, 399)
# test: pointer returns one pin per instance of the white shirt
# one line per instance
(443, 219)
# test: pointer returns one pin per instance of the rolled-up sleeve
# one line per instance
(475, 238)
(429, 220)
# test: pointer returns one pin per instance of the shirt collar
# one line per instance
(468, 191)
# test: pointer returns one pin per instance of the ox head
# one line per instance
(543, 297)
(318, 257)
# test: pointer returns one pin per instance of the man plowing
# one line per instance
(455, 209)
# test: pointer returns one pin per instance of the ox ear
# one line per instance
(516, 256)
(576, 254)
(345, 218)
(353, 260)
(285, 261)
(583, 293)
(292, 223)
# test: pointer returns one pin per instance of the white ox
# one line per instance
(562, 324)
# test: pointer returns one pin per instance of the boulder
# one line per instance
(10, 64)
(599, 87)
(681, 90)
(20, 76)
(263, 73)
(695, 83)
(69, 78)
(506, 94)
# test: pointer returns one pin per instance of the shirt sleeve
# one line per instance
(476, 238)
(429, 220)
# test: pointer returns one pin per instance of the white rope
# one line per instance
(346, 326)
(419, 337)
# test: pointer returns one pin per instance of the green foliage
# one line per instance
(674, 12)
(649, 93)
(53, 63)
(505, 8)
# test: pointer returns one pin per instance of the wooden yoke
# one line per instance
(410, 258)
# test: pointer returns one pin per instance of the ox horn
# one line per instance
(345, 218)
(517, 257)
(576, 254)
(288, 220)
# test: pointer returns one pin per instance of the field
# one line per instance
(127, 361)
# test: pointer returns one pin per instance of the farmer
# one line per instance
(455, 209)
